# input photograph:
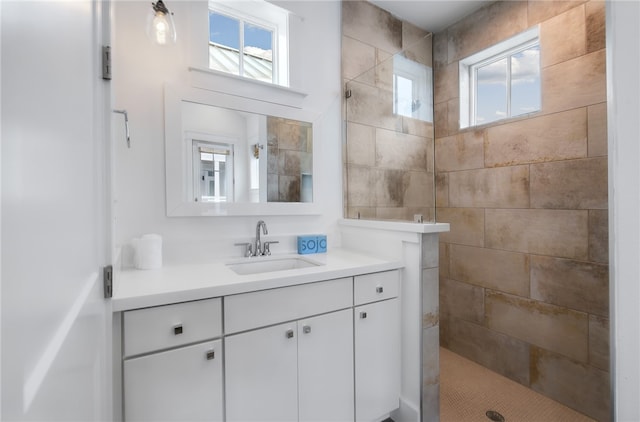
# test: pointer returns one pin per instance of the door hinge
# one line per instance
(106, 62)
(107, 276)
(347, 93)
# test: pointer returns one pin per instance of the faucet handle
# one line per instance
(248, 248)
(265, 246)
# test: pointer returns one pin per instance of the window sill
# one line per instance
(213, 80)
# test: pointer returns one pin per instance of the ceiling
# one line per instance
(431, 15)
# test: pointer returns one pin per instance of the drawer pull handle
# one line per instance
(177, 329)
(363, 315)
(289, 334)
(306, 329)
(211, 354)
(379, 289)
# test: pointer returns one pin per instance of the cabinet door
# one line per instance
(325, 367)
(177, 385)
(261, 374)
(377, 359)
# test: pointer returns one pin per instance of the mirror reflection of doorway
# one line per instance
(213, 171)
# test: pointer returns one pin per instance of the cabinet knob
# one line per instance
(177, 329)
(211, 354)
(379, 289)
(306, 329)
(363, 315)
(289, 334)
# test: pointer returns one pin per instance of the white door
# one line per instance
(55, 321)
(377, 359)
(325, 367)
(183, 384)
(261, 375)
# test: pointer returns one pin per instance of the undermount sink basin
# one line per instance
(268, 264)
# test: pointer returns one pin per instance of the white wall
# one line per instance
(623, 103)
(139, 72)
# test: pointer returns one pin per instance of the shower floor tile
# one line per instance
(468, 391)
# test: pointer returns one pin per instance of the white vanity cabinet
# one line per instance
(377, 345)
(172, 366)
(301, 369)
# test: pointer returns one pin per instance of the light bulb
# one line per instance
(160, 27)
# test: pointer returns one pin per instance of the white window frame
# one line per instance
(266, 15)
(421, 77)
(468, 71)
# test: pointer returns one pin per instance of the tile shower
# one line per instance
(524, 270)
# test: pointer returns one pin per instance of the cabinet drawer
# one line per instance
(161, 327)
(267, 307)
(377, 286)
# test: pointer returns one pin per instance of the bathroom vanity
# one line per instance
(200, 342)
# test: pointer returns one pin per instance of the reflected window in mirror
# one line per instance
(212, 171)
(249, 39)
(412, 89)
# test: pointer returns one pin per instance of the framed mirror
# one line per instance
(229, 155)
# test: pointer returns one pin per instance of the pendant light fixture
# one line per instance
(160, 27)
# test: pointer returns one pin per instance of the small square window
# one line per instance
(243, 44)
(502, 81)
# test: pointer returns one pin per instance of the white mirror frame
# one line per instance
(177, 206)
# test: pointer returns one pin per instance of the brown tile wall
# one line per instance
(389, 171)
(524, 271)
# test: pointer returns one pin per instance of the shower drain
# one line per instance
(494, 416)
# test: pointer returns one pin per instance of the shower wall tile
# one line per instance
(417, 127)
(453, 116)
(597, 129)
(371, 106)
(574, 184)
(442, 190)
(599, 236)
(464, 151)
(446, 83)
(444, 254)
(575, 384)
(489, 25)
(440, 48)
(364, 21)
(417, 45)
(365, 213)
(289, 187)
(388, 187)
(419, 190)
(583, 286)
(539, 11)
(440, 119)
(595, 25)
(557, 43)
(357, 59)
(503, 354)
(401, 151)
(461, 300)
(575, 83)
(467, 225)
(561, 233)
(384, 72)
(558, 136)
(494, 269)
(499, 187)
(551, 327)
(361, 145)
(359, 182)
(599, 342)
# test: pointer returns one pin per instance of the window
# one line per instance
(502, 81)
(243, 44)
(212, 171)
(412, 87)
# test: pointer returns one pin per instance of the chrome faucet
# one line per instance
(257, 247)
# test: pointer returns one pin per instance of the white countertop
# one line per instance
(178, 283)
